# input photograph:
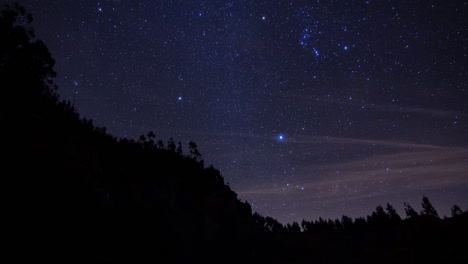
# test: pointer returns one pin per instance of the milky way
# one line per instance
(308, 108)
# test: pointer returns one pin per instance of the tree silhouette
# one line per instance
(428, 209)
(26, 66)
(273, 225)
(346, 222)
(456, 210)
(379, 216)
(160, 144)
(151, 137)
(307, 226)
(293, 228)
(179, 148)
(171, 146)
(193, 148)
(338, 226)
(392, 213)
(410, 212)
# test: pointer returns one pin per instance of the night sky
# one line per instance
(308, 108)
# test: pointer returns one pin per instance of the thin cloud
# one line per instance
(429, 169)
(384, 108)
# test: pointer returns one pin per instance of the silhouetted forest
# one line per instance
(76, 193)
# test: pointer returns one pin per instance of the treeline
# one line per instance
(381, 237)
(380, 218)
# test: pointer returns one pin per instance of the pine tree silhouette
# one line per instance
(193, 148)
(392, 213)
(179, 148)
(456, 210)
(428, 209)
(26, 68)
(410, 212)
(171, 146)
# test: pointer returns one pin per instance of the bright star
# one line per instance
(179, 98)
(280, 137)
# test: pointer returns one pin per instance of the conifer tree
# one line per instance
(428, 209)
(410, 212)
(456, 210)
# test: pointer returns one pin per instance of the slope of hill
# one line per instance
(104, 197)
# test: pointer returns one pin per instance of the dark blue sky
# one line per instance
(369, 97)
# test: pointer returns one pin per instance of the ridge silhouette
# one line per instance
(76, 193)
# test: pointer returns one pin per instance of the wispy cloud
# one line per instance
(360, 141)
(422, 168)
(395, 108)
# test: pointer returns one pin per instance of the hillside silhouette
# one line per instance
(76, 193)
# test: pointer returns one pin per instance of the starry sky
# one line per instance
(309, 108)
